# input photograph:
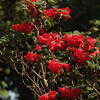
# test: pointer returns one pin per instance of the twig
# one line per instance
(31, 69)
(88, 83)
(93, 87)
(43, 76)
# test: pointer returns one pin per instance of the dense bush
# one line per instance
(54, 64)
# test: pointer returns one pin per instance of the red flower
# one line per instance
(37, 24)
(74, 40)
(67, 94)
(41, 39)
(80, 56)
(33, 11)
(91, 41)
(32, 57)
(28, 2)
(57, 13)
(50, 12)
(70, 49)
(56, 45)
(32, 8)
(44, 97)
(33, 0)
(53, 46)
(52, 95)
(65, 12)
(97, 52)
(53, 40)
(38, 47)
(49, 96)
(46, 38)
(75, 92)
(24, 27)
(55, 66)
(42, 31)
(88, 47)
(67, 67)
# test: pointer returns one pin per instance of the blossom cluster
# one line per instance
(55, 66)
(49, 96)
(81, 47)
(78, 46)
(23, 27)
(32, 8)
(32, 57)
(64, 92)
(57, 13)
(52, 40)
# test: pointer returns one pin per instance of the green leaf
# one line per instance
(6, 38)
(92, 96)
(39, 2)
(62, 10)
(4, 84)
(98, 44)
(92, 50)
(7, 71)
(50, 22)
(91, 64)
(95, 22)
(3, 93)
(52, 2)
(98, 66)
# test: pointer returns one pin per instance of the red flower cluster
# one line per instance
(24, 27)
(55, 66)
(49, 96)
(53, 40)
(81, 41)
(81, 47)
(33, 0)
(67, 67)
(33, 11)
(80, 56)
(38, 47)
(32, 57)
(32, 8)
(50, 13)
(57, 13)
(74, 40)
(67, 94)
(29, 2)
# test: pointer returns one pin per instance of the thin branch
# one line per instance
(94, 88)
(31, 69)
(87, 82)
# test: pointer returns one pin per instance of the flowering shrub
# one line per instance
(53, 64)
